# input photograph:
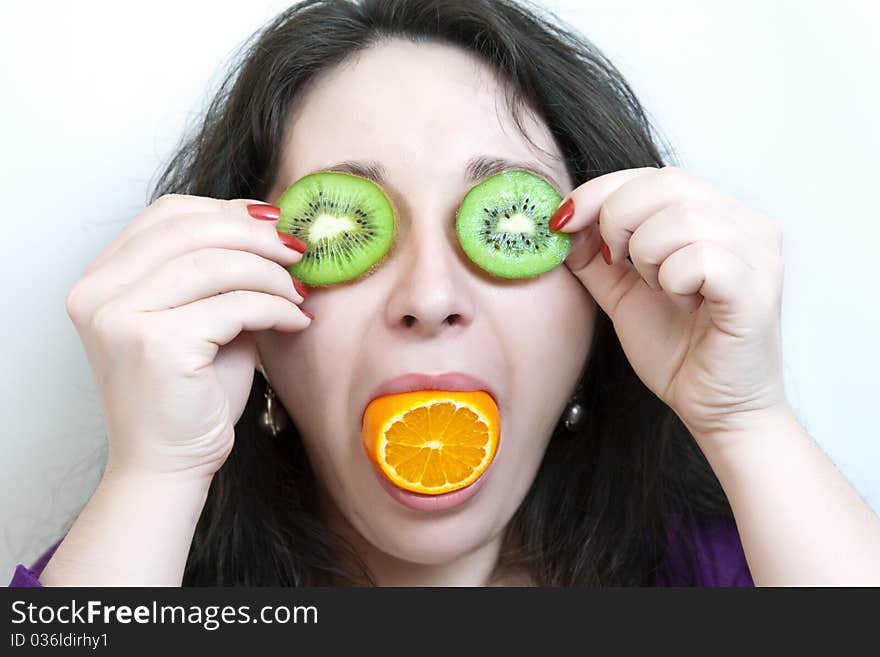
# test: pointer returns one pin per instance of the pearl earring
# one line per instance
(573, 416)
(574, 412)
(273, 418)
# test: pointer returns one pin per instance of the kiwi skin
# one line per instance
(494, 274)
(391, 249)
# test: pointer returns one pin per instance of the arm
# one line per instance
(800, 520)
(135, 530)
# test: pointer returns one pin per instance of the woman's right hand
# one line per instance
(164, 314)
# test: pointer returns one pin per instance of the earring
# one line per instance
(574, 412)
(273, 418)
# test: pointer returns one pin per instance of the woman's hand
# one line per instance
(697, 311)
(159, 313)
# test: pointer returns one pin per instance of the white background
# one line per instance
(777, 103)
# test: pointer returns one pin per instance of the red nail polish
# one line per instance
(606, 252)
(306, 313)
(301, 289)
(562, 215)
(265, 212)
(292, 242)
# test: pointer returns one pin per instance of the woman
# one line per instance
(645, 426)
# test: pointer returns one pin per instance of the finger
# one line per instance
(178, 235)
(216, 321)
(587, 199)
(678, 225)
(630, 205)
(208, 272)
(606, 284)
(708, 271)
(164, 207)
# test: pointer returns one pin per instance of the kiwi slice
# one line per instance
(347, 221)
(502, 225)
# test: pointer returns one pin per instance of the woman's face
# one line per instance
(422, 112)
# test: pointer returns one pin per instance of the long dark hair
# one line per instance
(600, 508)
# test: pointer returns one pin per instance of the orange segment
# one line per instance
(432, 441)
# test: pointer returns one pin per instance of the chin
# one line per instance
(430, 539)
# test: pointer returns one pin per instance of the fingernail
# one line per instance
(301, 289)
(562, 215)
(292, 242)
(263, 211)
(306, 313)
(606, 252)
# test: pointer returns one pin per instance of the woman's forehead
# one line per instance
(384, 108)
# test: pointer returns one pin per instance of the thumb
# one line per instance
(607, 284)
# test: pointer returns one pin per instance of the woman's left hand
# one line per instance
(698, 310)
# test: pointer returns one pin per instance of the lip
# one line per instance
(419, 381)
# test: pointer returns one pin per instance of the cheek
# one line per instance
(546, 334)
(312, 371)
(546, 347)
(316, 395)
(550, 326)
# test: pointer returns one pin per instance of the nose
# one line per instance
(430, 295)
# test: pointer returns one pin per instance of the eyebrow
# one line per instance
(476, 169)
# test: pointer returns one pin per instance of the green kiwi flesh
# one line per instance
(347, 222)
(502, 225)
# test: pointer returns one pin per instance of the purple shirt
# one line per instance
(716, 559)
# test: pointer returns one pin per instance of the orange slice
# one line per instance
(432, 441)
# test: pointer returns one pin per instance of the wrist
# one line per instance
(755, 430)
(173, 498)
(151, 481)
